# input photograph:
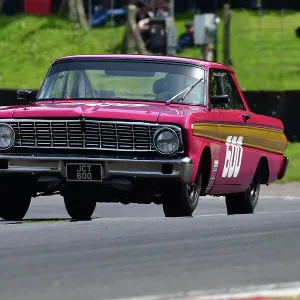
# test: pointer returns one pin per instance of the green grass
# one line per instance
(293, 170)
(28, 44)
(261, 58)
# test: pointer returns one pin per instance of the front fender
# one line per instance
(194, 147)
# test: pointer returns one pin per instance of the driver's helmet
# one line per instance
(175, 83)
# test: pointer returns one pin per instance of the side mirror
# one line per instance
(222, 99)
(24, 95)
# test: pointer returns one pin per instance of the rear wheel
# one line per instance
(182, 199)
(79, 208)
(243, 203)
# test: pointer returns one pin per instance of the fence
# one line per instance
(282, 105)
(264, 48)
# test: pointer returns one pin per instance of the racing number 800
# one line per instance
(234, 155)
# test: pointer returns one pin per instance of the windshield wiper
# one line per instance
(187, 90)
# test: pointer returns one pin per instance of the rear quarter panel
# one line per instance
(274, 143)
(275, 159)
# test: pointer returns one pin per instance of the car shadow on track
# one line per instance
(41, 220)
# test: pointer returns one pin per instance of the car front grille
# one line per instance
(97, 135)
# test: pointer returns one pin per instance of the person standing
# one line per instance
(142, 20)
(186, 40)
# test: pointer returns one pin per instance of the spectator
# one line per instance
(142, 11)
(142, 19)
(186, 40)
(162, 9)
(208, 55)
(148, 3)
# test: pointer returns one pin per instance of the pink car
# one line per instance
(137, 129)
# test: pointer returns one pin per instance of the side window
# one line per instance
(221, 83)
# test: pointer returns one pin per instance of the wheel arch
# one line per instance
(205, 167)
(262, 172)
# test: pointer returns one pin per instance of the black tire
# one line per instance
(243, 203)
(14, 205)
(80, 208)
(182, 199)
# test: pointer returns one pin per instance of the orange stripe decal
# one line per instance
(271, 140)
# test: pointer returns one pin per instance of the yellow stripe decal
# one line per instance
(268, 139)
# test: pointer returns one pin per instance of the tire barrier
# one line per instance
(282, 105)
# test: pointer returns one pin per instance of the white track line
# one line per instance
(280, 197)
(277, 212)
(271, 290)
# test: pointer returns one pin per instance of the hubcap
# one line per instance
(193, 192)
(253, 191)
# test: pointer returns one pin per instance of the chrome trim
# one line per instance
(130, 167)
(129, 141)
(158, 131)
(14, 133)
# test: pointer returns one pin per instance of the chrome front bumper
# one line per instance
(179, 169)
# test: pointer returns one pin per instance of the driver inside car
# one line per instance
(169, 86)
(172, 84)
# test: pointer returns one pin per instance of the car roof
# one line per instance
(178, 59)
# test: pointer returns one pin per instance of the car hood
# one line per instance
(123, 110)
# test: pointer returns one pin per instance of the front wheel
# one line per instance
(182, 199)
(14, 203)
(80, 208)
(243, 203)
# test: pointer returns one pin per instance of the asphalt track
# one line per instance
(130, 251)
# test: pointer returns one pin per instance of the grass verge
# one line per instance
(264, 52)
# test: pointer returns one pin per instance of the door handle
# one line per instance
(246, 117)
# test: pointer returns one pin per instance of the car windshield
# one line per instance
(122, 80)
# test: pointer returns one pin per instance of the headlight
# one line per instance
(7, 137)
(166, 141)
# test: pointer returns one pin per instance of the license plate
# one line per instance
(84, 172)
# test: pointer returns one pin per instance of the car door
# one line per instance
(234, 160)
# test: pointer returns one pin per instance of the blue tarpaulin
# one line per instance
(102, 15)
